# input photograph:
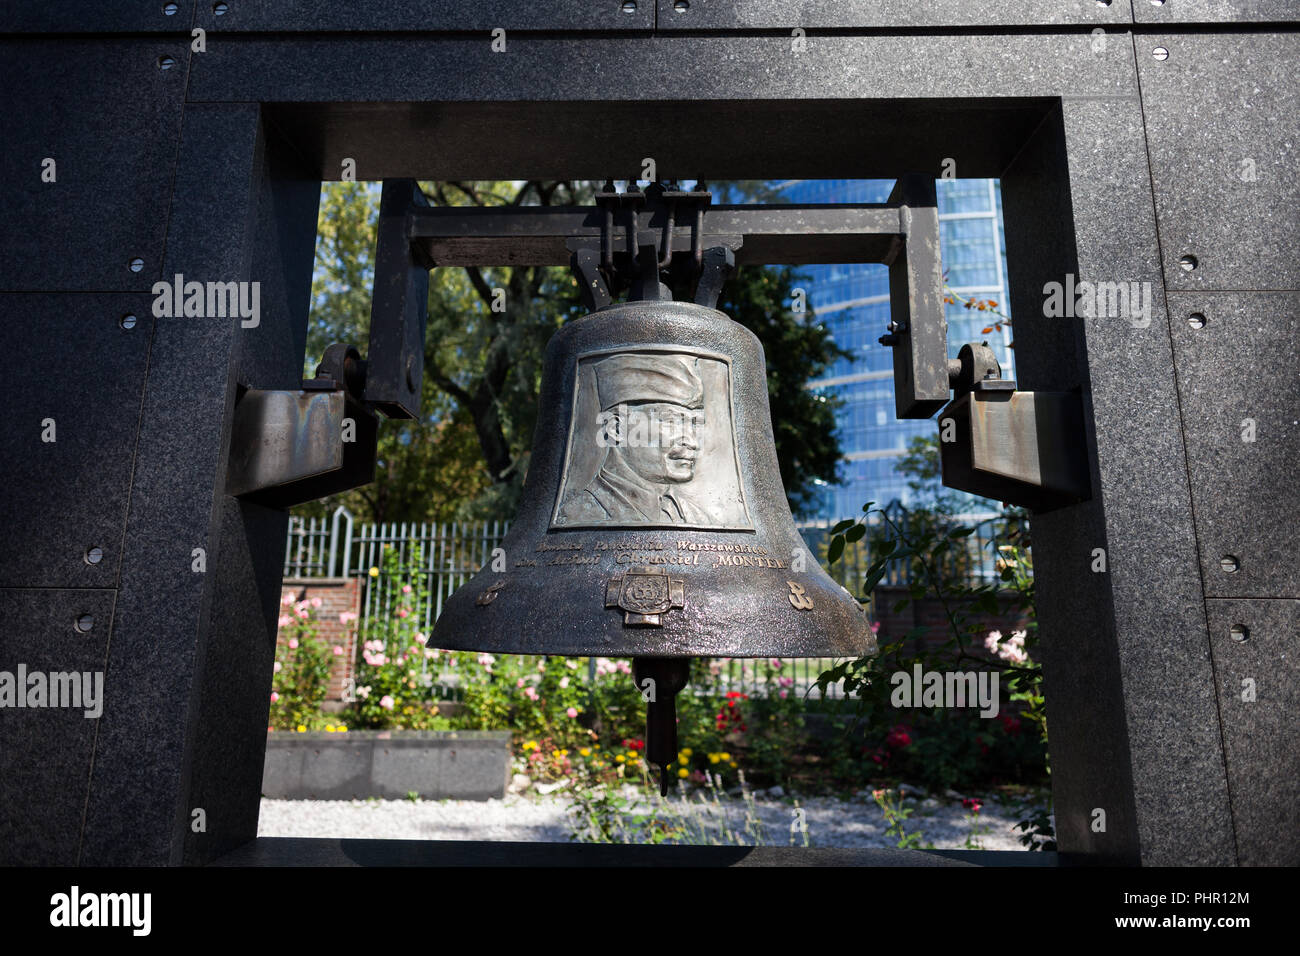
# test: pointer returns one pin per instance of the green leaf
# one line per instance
(843, 526)
(867, 507)
(856, 533)
(961, 532)
(902, 604)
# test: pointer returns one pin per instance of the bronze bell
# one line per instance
(654, 524)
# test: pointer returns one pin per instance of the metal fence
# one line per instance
(972, 560)
(449, 553)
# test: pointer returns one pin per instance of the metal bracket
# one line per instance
(292, 446)
(1025, 448)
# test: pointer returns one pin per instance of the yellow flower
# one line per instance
(683, 772)
(688, 751)
(620, 759)
(374, 572)
(342, 729)
(725, 756)
(329, 728)
(733, 765)
(585, 751)
(714, 758)
(302, 729)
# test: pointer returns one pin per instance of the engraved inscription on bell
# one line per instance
(645, 594)
(652, 443)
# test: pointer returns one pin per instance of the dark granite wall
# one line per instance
(1115, 165)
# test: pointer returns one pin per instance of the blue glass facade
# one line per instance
(853, 302)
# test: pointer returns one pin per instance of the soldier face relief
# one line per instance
(643, 448)
(658, 441)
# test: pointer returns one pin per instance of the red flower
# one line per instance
(972, 804)
(897, 738)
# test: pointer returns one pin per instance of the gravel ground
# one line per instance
(535, 818)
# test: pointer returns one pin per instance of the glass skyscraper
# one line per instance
(852, 301)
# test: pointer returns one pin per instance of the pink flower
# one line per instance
(623, 667)
(785, 682)
(287, 599)
(285, 620)
(338, 650)
(993, 640)
(386, 702)
(530, 693)
(785, 693)
(564, 682)
(486, 661)
(776, 663)
(406, 589)
(572, 712)
(403, 612)
(520, 683)
(293, 643)
(1013, 654)
(274, 697)
(277, 667)
(347, 617)
(421, 638)
(315, 602)
(541, 667)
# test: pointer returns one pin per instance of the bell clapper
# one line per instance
(659, 679)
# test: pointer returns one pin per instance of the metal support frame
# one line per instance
(603, 243)
(399, 310)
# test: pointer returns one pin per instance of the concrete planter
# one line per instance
(438, 765)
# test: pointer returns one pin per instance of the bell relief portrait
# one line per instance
(652, 443)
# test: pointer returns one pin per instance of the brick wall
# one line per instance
(337, 596)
